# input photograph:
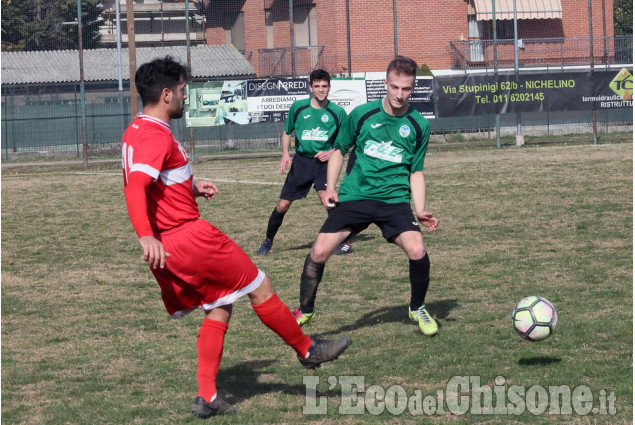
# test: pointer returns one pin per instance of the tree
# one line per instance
(623, 17)
(48, 24)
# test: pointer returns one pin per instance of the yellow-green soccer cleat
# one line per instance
(303, 318)
(426, 323)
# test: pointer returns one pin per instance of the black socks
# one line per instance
(309, 281)
(275, 221)
(419, 281)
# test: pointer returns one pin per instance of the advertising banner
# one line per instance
(569, 91)
(216, 103)
(269, 100)
(348, 93)
(422, 98)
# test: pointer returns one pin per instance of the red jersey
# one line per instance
(149, 147)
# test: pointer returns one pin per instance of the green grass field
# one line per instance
(86, 340)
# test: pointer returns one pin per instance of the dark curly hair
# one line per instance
(152, 77)
(319, 75)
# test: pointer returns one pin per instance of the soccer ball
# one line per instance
(534, 318)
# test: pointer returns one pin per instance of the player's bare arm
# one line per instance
(332, 173)
(286, 159)
(205, 189)
(418, 189)
(324, 155)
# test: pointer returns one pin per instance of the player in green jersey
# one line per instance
(316, 121)
(388, 139)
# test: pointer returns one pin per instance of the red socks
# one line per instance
(209, 346)
(277, 317)
(273, 313)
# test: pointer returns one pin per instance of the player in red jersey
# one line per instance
(196, 265)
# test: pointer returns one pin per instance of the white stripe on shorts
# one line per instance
(227, 299)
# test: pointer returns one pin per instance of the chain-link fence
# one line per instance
(47, 116)
(47, 122)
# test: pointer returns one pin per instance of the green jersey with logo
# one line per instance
(315, 129)
(386, 149)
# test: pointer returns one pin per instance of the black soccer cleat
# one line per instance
(265, 247)
(343, 249)
(322, 351)
(203, 410)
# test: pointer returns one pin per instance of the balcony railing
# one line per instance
(541, 52)
(284, 61)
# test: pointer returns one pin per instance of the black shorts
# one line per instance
(392, 219)
(304, 172)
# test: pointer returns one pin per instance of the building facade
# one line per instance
(345, 36)
(156, 23)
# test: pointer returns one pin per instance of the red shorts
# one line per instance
(205, 269)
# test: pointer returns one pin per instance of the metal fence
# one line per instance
(541, 52)
(47, 122)
(284, 61)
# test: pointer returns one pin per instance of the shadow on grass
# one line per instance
(356, 238)
(440, 310)
(539, 361)
(241, 382)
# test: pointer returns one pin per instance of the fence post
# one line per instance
(122, 110)
(520, 139)
(5, 137)
(466, 51)
(189, 65)
(605, 53)
(82, 91)
(394, 24)
(76, 115)
(595, 124)
(348, 38)
(132, 59)
(498, 117)
(292, 35)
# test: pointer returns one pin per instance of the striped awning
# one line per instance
(525, 9)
